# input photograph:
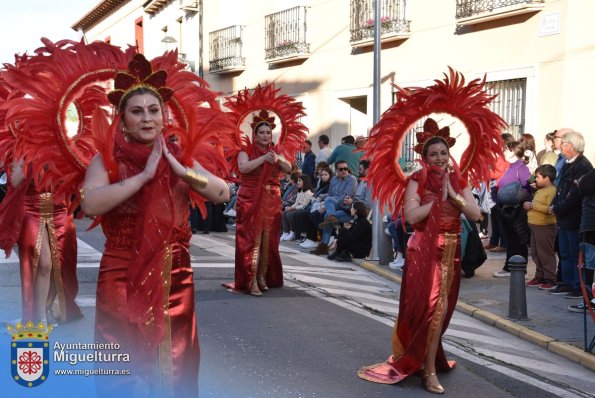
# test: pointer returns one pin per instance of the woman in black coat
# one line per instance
(357, 240)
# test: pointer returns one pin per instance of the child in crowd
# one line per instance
(543, 228)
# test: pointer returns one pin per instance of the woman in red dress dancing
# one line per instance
(433, 200)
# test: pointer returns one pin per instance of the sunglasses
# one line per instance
(343, 168)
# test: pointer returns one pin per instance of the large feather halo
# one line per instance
(268, 98)
(467, 102)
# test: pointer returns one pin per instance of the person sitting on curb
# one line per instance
(357, 240)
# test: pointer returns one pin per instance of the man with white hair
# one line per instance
(567, 208)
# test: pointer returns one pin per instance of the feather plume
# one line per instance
(467, 102)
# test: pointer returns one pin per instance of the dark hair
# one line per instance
(432, 141)
(517, 148)
(329, 171)
(365, 163)
(324, 139)
(295, 175)
(529, 141)
(348, 139)
(507, 137)
(138, 91)
(261, 124)
(546, 170)
(307, 186)
(308, 142)
(321, 165)
(338, 162)
(361, 211)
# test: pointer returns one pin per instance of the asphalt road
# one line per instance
(305, 340)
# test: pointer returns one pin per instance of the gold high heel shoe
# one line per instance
(262, 283)
(434, 388)
(254, 290)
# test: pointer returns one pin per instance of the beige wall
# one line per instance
(558, 67)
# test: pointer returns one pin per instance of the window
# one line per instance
(510, 103)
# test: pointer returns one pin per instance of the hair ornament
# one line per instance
(263, 117)
(431, 130)
(139, 75)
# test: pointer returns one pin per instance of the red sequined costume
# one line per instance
(126, 250)
(429, 290)
(258, 206)
(431, 277)
(258, 225)
(24, 215)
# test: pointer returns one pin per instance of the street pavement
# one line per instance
(309, 338)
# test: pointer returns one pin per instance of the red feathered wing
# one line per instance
(204, 131)
(43, 86)
(467, 102)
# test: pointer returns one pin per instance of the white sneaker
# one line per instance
(308, 244)
(290, 236)
(331, 240)
(284, 236)
(397, 263)
(502, 274)
(230, 213)
(387, 232)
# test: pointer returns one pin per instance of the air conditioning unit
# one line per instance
(189, 5)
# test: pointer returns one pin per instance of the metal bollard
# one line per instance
(517, 299)
(385, 249)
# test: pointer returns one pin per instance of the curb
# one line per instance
(565, 350)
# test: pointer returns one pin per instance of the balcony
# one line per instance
(471, 12)
(225, 50)
(393, 25)
(285, 35)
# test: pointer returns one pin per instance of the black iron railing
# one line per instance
(285, 33)
(469, 8)
(226, 49)
(392, 20)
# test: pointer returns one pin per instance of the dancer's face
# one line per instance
(143, 118)
(263, 135)
(437, 155)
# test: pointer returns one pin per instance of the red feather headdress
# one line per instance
(467, 102)
(264, 100)
(41, 89)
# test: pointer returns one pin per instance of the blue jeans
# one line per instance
(326, 232)
(568, 243)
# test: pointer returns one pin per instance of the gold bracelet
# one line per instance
(192, 177)
(459, 201)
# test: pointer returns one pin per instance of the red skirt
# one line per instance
(173, 370)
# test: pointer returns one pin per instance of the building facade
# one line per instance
(536, 54)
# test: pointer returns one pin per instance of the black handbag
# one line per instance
(475, 255)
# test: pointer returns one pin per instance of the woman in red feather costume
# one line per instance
(41, 224)
(434, 199)
(260, 163)
(142, 188)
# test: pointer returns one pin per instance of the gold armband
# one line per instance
(459, 201)
(192, 177)
(281, 158)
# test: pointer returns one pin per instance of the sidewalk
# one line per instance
(550, 325)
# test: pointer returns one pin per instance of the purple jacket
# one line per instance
(518, 171)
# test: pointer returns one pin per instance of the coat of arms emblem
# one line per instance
(29, 353)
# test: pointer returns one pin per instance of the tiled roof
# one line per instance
(98, 14)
